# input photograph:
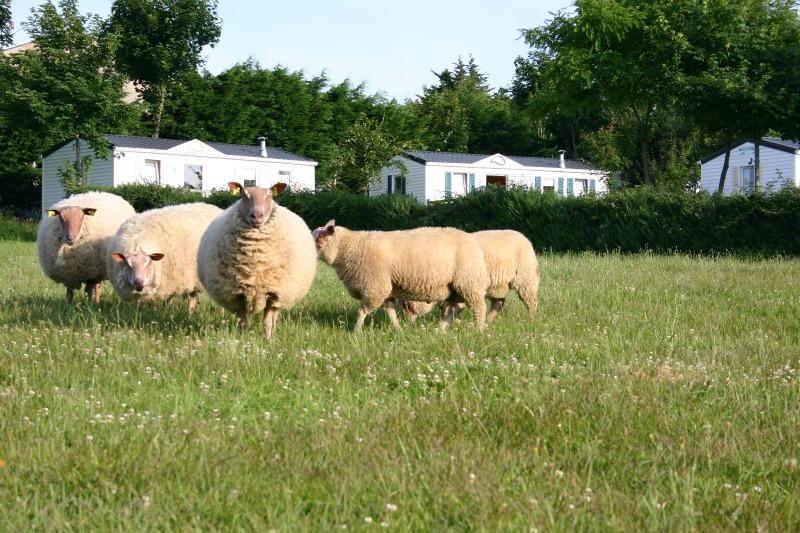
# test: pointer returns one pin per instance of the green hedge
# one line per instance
(13, 228)
(628, 220)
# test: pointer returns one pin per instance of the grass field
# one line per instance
(652, 393)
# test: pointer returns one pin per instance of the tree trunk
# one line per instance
(725, 166)
(645, 154)
(757, 165)
(162, 95)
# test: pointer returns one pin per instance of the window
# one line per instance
(549, 188)
(400, 184)
(581, 186)
(284, 176)
(748, 176)
(193, 177)
(151, 172)
(496, 181)
(247, 176)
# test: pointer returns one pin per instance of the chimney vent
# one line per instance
(263, 142)
(561, 162)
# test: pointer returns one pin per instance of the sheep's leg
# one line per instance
(242, 319)
(98, 292)
(366, 307)
(447, 318)
(192, 303)
(478, 304)
(70, 295)
(497, 305)
(392, 312)
(270, 321)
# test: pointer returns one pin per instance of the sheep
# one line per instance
(512, 264)
(72, 238)
(426, 264)
(257, 256)
(153, 256)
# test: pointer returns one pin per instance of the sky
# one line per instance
(391, 46)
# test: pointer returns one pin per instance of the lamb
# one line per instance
(257, 256)
(153, 256)
(71, 241)
(512, 264)
(425, 264)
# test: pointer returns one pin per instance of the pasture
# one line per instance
(653, 392)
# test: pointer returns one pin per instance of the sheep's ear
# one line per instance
(236, 187)
(89, 211)
(278, 188)
(330, 227)
(156, 257)
(118, 257)
(52, 212)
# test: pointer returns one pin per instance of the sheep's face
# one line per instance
(141, 271)
(256, 203)
(72, 221)
(326, 241)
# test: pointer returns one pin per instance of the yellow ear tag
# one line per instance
(237, 190)
(51, 213)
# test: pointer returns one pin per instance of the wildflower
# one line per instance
(391, 507)
(367, 519)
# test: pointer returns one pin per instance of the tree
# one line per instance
(362, 154)
(740, 70)
(61, 89)
(617, 55)
(6, 24)
(161, 42)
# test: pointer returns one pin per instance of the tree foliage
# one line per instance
(5, 23)
(161, 43)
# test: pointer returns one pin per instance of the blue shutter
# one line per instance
(561, 186)
(537, 183)
(403, 184)
(570, 186)
(591, 186)
(471, 182)
(448, 184)
(388, 185)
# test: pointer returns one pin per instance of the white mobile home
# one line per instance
(779, 160)
(433, 176)
(194, 164)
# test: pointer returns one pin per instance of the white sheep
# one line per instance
(512, 265)
(257, 256)
(153, 256)
(72, 238)
(425, 264)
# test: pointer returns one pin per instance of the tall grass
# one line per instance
(17, 229)
(651, 393)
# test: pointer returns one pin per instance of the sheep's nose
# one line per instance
(257, 218)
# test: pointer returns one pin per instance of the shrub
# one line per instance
(627, 220)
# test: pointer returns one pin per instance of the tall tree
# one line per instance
(161, 43)
(61, 89)
(621, 55)
(367, 148)
(5, 23)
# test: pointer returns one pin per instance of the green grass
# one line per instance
(17, 229)
(652, 393)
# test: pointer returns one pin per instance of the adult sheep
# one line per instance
(257, 256)
(72, 238)
(426, 264)
(512, 265)
(153, 255)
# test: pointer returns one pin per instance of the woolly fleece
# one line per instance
(242, 267)
(84, 261)
(175, 231)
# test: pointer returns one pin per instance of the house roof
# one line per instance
(784, 145)
(460, 158)
(149, 143)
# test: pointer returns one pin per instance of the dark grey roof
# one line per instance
(784, 145)
(243, 150)
(148, 143)
(468, 159)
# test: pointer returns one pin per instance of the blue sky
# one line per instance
(391, 46)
